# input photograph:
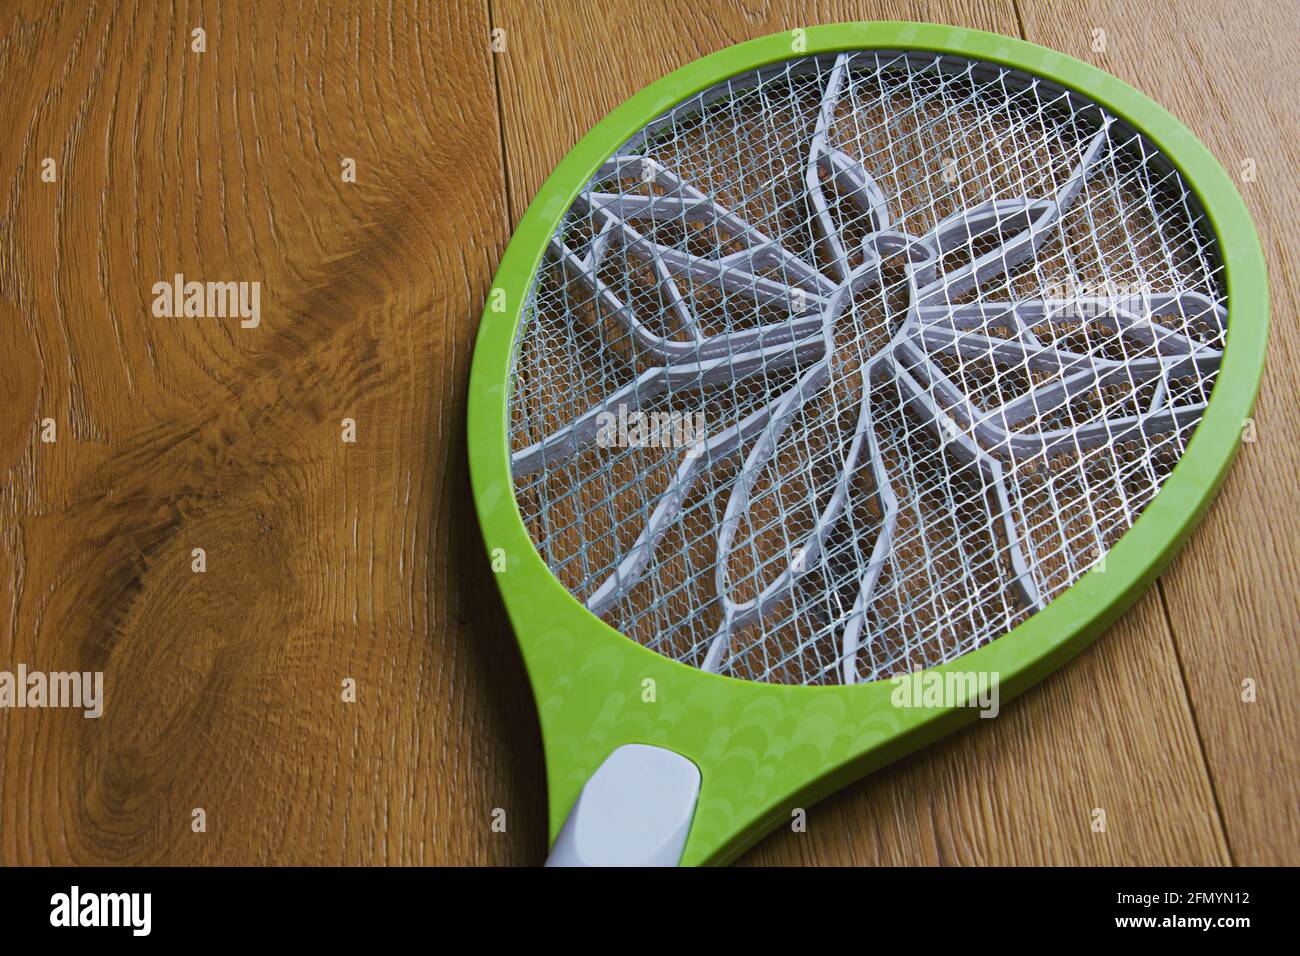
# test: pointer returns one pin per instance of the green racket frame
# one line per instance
(764, 749)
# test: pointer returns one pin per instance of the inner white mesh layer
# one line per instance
(848, 366)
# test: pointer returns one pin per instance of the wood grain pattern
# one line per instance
(325, 560)
(329, 560)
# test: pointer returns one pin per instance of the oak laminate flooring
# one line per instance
(325, 560)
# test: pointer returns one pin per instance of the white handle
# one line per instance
(635, 810)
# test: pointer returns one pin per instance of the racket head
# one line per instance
(763, 748)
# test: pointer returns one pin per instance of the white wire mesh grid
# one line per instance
(845, 367)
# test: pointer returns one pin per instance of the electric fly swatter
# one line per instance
(836, 360)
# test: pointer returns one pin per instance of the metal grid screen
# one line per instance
(847, 366)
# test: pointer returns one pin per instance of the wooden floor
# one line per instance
(328, 561)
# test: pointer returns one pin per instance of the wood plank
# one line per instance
(325, 560)
(1233, 595)
(1112, 731)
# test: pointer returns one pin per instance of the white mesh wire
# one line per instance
(848, 366)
